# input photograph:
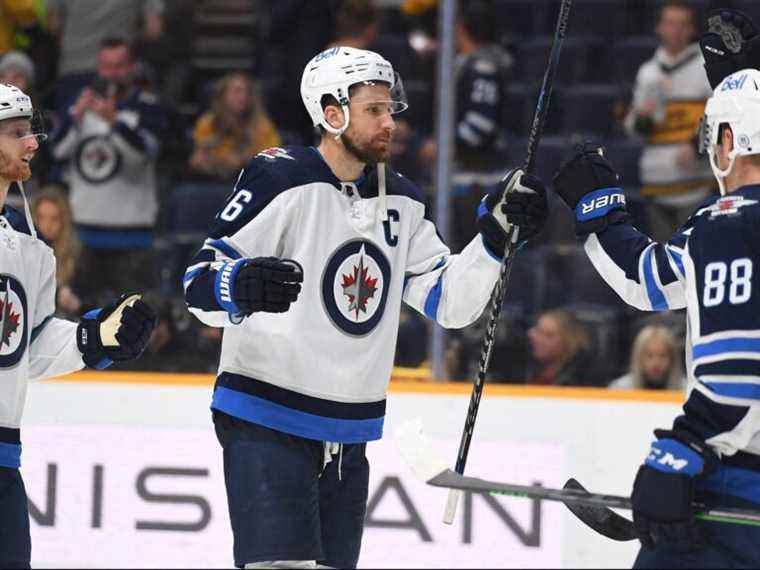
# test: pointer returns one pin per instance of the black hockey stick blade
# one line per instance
(603, 520)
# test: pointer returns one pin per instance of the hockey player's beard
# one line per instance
(364, 152)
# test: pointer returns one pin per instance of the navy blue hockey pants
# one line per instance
(718, 545)
(15, 542)
(283, 505)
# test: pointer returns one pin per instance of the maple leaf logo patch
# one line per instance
(13, 321)
(10, 321)
(359, 288)
(355, 285)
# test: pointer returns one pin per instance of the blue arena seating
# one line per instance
(590, 108)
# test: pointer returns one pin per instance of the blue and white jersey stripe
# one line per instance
(711, 267)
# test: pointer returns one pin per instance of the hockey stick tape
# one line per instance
(110, 326)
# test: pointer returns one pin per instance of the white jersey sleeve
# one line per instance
(52, 345)
(450, 289)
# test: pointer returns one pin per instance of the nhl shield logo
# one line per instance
(13, 321)
(355, 287)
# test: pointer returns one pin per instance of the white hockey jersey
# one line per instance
(33, 343)
(321, 369)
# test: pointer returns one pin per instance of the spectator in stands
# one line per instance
(52, 217)
(82, 25)
(291, 32)
(232, 131)
(17, 69)
(109, 141)
(668, 102)
(15, 14)
(561, 348)
(483, 70)
(355, 24)
(164, 51)
(655, 362)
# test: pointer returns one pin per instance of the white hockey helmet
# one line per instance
(335, 70)
(735, 102)
(15, 104)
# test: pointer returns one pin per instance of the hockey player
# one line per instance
(308, 344)
(710, 266)
(33, 343)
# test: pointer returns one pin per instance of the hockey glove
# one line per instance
(731, 43)
(590, 187)
(261, 284)
(663, 492)
(120, 331)
(519, 200)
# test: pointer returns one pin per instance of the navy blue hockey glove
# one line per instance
(590, 186)
(731, 43)
(120, 331)
(261, 284)
(519, 200)
(663, 492)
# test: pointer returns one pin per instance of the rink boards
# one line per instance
(123, 470)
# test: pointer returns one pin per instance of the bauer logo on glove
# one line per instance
(121, 331)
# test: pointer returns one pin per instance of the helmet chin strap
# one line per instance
(27, 210)
(719, 173)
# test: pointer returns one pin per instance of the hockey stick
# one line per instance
(497, 297)
(418, 452)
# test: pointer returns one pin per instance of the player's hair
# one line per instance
(67, 246)
(112, 42)
(643, 338)
(680, 5)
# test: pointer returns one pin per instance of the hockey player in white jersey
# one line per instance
(711, 453)
(308, 344)
(33, 343)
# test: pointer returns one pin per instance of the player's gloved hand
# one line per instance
(120, 331)
(590, 186)
(731, 43)
(261, 284)
(663, 492)
(519, 200)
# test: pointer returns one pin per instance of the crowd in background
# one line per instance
(154, 106)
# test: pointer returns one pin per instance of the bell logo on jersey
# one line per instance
(355, 287)
(13, 321)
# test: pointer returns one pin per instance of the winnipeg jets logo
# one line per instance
(13, 321)
(355, 287)
(97, 159)
(272, 154)
(728, 206)
(359, 287)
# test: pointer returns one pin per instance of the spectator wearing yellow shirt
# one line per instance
(232, 131)
(15, 14)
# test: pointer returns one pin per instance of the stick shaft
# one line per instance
(497, 297)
